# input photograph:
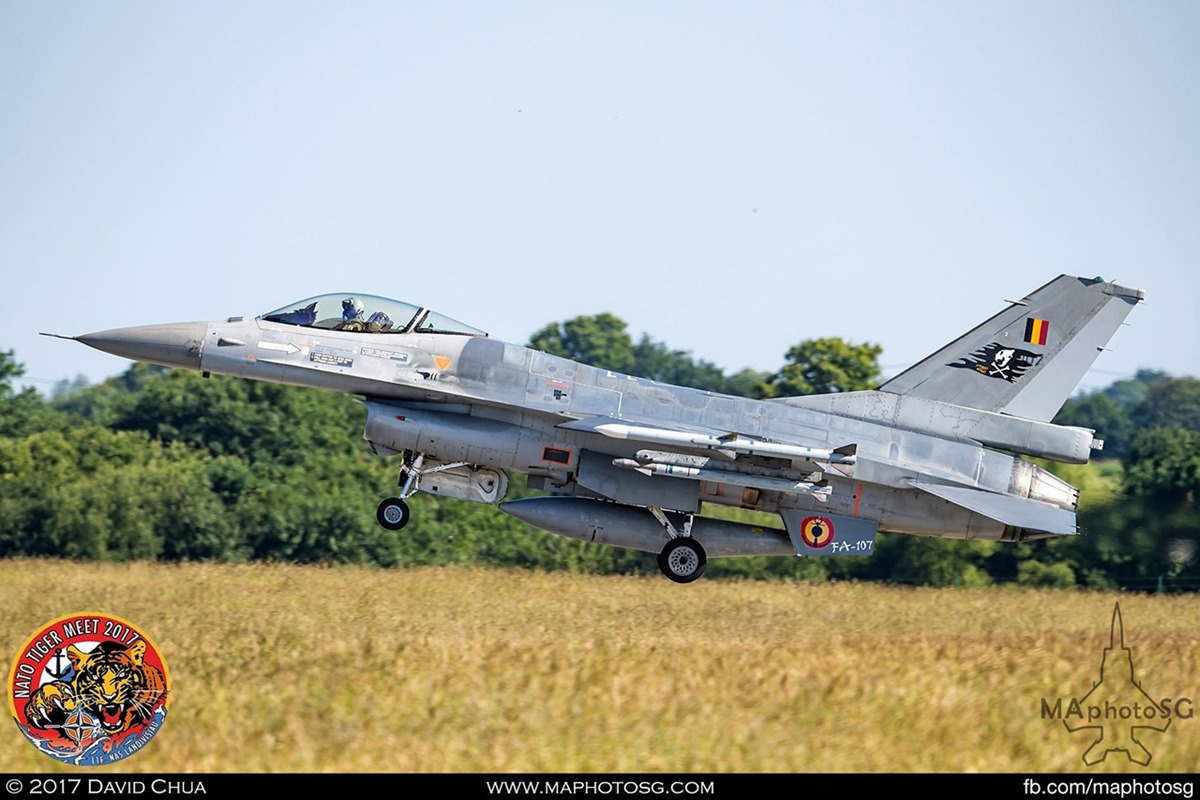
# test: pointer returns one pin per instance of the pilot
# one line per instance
(352, 314)
(352, 309)
(379, 321)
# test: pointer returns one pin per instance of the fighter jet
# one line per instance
(633, 463)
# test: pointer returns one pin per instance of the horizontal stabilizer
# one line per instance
(1018, 512)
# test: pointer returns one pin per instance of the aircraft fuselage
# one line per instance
(935, 451)
(488, 402)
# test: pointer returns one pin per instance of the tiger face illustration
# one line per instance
(112, 683)
(89, 689)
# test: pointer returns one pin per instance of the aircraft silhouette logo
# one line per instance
(1117, 711)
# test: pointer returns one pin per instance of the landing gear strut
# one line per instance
(393, 512)
(461, 480)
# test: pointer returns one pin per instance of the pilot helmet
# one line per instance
(352, 308)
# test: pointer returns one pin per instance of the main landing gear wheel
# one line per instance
(682, 560)
(392, 513)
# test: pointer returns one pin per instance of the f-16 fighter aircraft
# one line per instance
(629, 462)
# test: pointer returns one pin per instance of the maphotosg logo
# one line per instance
(89, 689)
(1117, 710)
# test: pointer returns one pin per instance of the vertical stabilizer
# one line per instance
(1028, 359)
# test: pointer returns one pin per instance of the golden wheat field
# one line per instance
(309, 669)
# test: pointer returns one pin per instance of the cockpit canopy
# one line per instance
(366, 313)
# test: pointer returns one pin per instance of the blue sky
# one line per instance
(730, 179)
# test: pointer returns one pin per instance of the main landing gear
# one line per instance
(683, 558)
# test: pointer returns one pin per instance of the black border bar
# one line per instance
(101, 781)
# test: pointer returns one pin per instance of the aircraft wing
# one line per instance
(1018, 512)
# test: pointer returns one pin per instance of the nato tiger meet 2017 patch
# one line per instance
(89, 689)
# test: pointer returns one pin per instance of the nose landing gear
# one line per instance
(458, 479)
(392, 513)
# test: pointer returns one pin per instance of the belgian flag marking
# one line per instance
(1036, 330)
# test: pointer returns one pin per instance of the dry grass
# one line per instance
(290, 669)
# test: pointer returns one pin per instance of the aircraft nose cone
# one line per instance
(176, 344)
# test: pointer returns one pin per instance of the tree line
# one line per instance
(168, 465)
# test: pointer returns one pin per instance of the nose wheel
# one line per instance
(682, 560)
(392, 513)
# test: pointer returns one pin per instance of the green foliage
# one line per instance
(1170, 403)
(940, 562)
(1164, 465)
(22, 412)
(600, 341)
(262, 422)
(88, 492)
(1039, 575)
(1149, 399)
(1112, 421)
(64, 388)
(1131, 391)
(814, 366)
(161, 509)
(320, 511)
(820, 366)
(1130, 543)
(751, 383)
(655, 361)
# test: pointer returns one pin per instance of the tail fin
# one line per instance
(1027, 359)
